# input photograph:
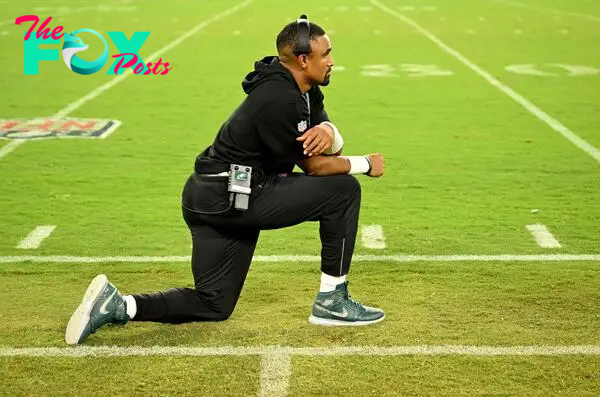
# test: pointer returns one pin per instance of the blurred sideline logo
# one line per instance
(128, 50)
(56, 127)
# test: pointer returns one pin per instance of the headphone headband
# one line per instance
(303, 26)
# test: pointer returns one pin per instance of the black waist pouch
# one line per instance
(206, 195)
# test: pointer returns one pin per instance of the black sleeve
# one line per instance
(278, 128)
(317, 108)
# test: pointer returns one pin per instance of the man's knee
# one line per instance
(346, 184)
(221, 307)
(223, 313)
(349, 185)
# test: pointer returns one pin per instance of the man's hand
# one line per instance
(316, 140)
(376, 165)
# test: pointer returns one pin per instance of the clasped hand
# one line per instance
(316, 140)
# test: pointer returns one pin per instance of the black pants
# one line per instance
(223, 245)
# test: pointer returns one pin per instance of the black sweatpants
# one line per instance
(223, 245)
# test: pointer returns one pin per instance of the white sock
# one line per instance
(131, 306)
(328, 283)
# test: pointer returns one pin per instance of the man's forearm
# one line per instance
(325, 165)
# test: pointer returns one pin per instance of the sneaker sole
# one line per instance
(81, 317)
(340, 323)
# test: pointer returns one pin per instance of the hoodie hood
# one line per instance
(266, 69)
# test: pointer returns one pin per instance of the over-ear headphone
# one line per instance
(303, 27)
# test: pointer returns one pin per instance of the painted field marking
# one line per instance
(372, 237)
(36, 237)
(275, 372)
(10, 146)
(542, 236)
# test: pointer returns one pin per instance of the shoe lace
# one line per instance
(351, 302)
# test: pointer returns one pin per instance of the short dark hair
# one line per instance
(289, 35)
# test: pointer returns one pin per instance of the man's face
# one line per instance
(320, 61)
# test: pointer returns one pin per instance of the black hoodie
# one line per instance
(262, 131)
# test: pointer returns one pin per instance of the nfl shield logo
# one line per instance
(302, 126)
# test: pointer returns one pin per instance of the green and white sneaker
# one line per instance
(102, 304)
(336, 308)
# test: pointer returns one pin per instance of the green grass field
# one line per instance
(487, 114)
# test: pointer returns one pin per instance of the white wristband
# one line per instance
(338, 141)
(358, 164)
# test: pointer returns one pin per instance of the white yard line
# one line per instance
(309, 258)
(277, 351)
(542, 236)
(521, 100)
(10, 146)
(276, 363)
(36, 237)
(275, 373)
(372, 237)
(117, 79)
(549, 10)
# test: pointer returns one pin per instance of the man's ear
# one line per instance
(303, 59)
